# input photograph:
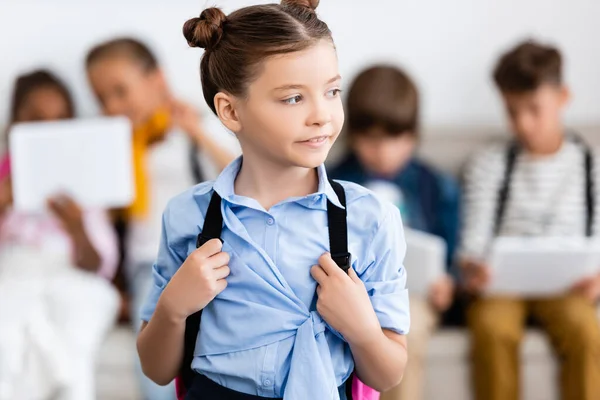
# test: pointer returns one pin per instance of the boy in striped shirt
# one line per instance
(543, 183)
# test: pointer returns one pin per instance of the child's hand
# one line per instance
(186, 118)
(69, 213)
(476, 276)
(441, 293)
(197, 282)
(588, 288)
(343, 301)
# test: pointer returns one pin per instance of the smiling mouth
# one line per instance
(318, 139)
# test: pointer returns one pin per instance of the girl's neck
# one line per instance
(269, 182)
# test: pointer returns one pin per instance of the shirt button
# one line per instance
(270, 221)
(267, 382)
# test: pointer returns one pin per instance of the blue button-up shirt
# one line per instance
(262, 334)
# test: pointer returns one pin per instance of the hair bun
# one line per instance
(310, 4)
(205, 31)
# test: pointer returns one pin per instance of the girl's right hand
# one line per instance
(197, 282)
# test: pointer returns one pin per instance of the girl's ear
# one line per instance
(225, 105)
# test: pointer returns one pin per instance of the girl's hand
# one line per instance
(343, 301)
(69, 213)
(197, 282)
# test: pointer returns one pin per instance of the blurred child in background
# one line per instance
(56, 304)
(383, 133)
(172, 151)
(535, 186)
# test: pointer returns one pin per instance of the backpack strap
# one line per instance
(213, 221)
(195, 164)
(589, 192)
(338, 245)
(590, 203)
(213, 224)
(504, 192)
(338, 229)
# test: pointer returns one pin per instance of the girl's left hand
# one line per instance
(69, 213)
(343, 301)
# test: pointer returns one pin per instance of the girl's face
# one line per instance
(43, 104)
(293, 112)
(123, 87)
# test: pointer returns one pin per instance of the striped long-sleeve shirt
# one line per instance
(547, 196)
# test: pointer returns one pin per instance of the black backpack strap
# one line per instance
(589, 192)
(195, 164)
(213, 221)
(590, 201)
(338, 244)
(504, 192)
(338, 229)
(213, 225)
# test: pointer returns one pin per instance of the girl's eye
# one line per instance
(293, 100)
(334, 93)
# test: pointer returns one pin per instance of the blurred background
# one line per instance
(448, 47)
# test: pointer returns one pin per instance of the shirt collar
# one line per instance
(224, 186)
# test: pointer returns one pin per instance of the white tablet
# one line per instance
(425, 260)
(89, 160)
(541, 267)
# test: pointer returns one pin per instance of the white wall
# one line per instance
(449, 45)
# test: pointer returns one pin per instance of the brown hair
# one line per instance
(527, 67)
(29, 83)
(235, 44)
(385, 97)
(127, 47)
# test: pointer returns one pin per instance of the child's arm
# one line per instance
(5, 184)
(160, 346)
(188, 120)
(71, 217)
(375, 359)
(379, 354)
(195, 284)
(369, 305)
(103, 238)
(5, 195)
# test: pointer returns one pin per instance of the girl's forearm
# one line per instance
(381, 359)
(160, 346)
